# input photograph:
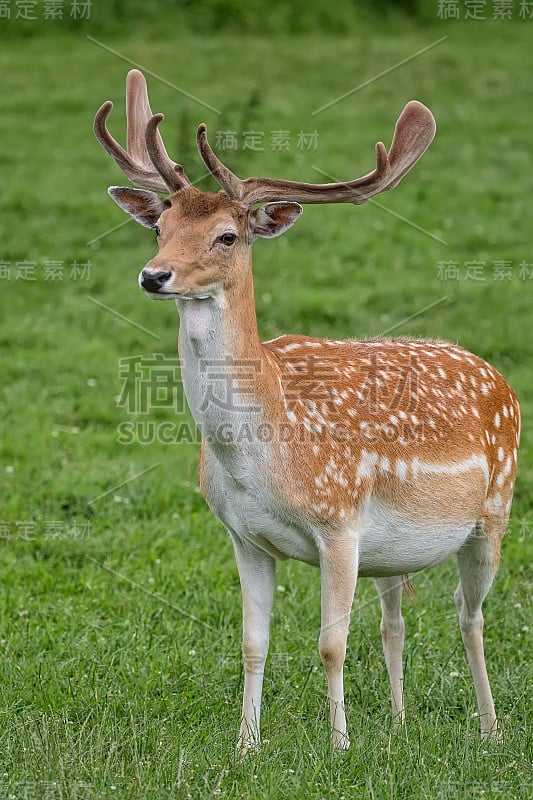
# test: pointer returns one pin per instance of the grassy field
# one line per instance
(120, 674)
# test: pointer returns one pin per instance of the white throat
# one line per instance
(216, 377)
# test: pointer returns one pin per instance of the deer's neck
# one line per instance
(225, 369)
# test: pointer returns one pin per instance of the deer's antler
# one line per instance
(414, 132)
(147, 164)
(145, 148)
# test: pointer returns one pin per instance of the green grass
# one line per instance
(120, 626)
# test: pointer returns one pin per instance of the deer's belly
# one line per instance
(389, 544)
(392, 544)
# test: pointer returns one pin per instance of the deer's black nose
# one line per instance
(153, 281)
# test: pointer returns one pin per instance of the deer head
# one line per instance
(204, 239)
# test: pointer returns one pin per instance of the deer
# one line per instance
(365, 458)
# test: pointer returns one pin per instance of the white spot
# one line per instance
(367, 464)
(494, 504)
(474, 462)
(292, 346)
(401, 470)
(500, 454)
(497, 420)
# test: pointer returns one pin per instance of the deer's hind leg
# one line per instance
(478, 561)
(392, 636)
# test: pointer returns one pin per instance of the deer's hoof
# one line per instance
(340, 741)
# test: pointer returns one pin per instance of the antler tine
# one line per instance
(137, 173)
(138, 112)
(136, 162)
(414, 132)
(226, 179)
(143, 135)
(173, 174)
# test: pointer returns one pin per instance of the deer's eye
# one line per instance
(228, 239)
(157, 230)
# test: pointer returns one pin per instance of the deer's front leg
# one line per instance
(257, 572)
(338, 567)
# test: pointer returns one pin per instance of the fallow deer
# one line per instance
(365, 458)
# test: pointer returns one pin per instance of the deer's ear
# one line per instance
(145, 207)
(274, 219)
